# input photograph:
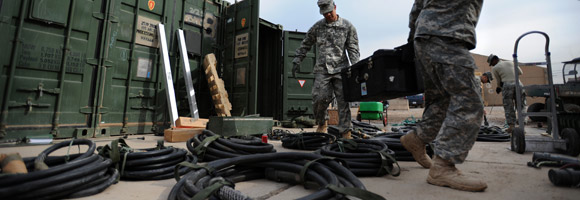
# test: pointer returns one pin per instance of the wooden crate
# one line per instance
(181, 134)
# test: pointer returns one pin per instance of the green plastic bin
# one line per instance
(371, 110)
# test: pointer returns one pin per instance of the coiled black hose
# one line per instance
(568, 176)
(363, 157)
(492, 134)
(307, 140)
(278, 134)
(365, 127)
(209, 146)
(217, 178)
(146, 164)
(78, 176)
(393, 141)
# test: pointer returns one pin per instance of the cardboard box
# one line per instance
(181, 134)
(188, 122)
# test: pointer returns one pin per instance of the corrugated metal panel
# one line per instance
(91, 68)
(130, 88)
(47, 75)
(297, 97)
(240, 66)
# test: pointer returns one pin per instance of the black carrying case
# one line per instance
(382, 76)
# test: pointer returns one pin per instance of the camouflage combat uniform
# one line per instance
(332, 40)
(444, 32)
(504, 73)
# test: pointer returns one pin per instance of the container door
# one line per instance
(200, 21)
(48, 66)
(131, 97)
(240, 60)
(297, 97)
(270, 70)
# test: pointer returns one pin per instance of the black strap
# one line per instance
(307, 165)
(385, 157)
(210, 190)
(350, 145)
(191, 165)
(200, 149)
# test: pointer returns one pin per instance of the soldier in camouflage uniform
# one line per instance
(504, 73)
(443, 32)
(333, 36)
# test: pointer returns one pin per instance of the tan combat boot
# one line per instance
(443, 173)
(12, 164)
(417, 147)
(347, 135)
(322, 128)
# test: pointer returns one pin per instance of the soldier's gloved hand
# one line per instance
(295, 69)
(497, 90)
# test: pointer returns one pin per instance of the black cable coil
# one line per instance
(307, 140)
(365, 127)
(393, 141)
(278, 134)
(146, 164)
(216, 179)
(209, 146)
(58, 177)
(492, 134)
(363, 157)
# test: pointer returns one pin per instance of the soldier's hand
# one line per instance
(497, 90)
(295, 69)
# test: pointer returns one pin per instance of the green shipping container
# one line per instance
(258, 67)
(91, 68)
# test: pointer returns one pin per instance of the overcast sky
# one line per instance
(383, 24)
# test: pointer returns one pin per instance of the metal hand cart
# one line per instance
(567, 140)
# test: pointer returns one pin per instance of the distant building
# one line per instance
(533, 75)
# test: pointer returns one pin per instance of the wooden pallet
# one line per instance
(218, 92)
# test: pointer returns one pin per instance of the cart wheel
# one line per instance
(518, 141)
(572, 141)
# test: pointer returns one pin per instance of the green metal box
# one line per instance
(229, 126)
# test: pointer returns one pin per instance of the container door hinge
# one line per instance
(142, 107)
(40, 90)
(89, 110)
(99, 15)
(139, 96)
(5, 19)
(103, 110)
(86, 110)
(92, 61)
(113, 19)
(95, 62)
(28, 104)
(108, 63)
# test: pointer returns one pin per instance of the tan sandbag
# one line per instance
(12, 164)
